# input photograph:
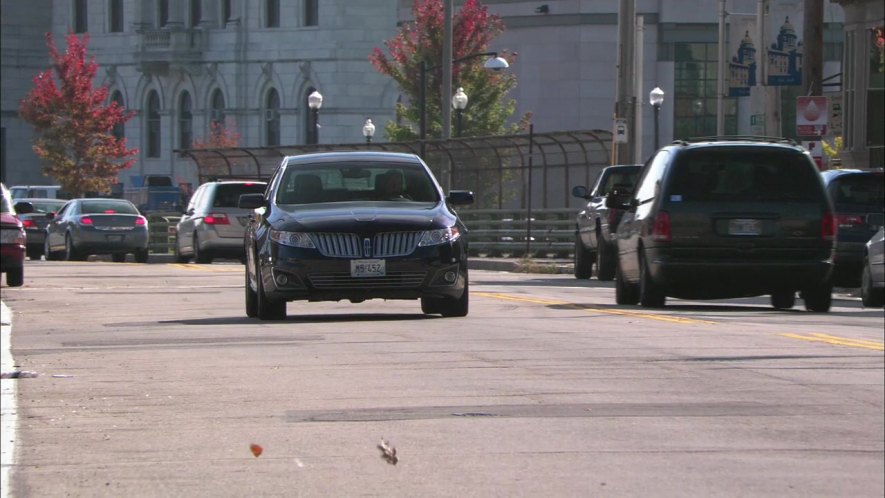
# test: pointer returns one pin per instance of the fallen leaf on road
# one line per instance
(256, 449)
(388, 452)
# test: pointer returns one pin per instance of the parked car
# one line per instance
(96, 226)
(859, 199)
(213, 225)
(725, 218)
(12, 240)
(35, 223)
(596, 222)
(872, 288)
(355, 226)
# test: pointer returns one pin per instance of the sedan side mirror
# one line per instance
(580, 191)
(251, 201)
(460, 197)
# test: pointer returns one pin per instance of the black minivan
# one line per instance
(727, 217)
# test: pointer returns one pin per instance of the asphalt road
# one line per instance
(151, 382)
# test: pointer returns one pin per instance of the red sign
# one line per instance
(811, 116)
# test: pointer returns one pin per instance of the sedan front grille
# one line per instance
(349, 245)
(402, 280)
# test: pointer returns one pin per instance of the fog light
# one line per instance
(450, 276)
(281, 279)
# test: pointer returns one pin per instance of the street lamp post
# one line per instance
(494, 63)
(459, 103)
(656, 97)
(368, 130)
(315, 102)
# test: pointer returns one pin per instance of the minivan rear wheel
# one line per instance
(818, 298)
(625, 292)
(651, 295)
(200, 257)
(605, 260)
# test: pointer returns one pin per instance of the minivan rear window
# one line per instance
(743, 175)
(228, 195)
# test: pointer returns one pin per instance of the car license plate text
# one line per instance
(367, 268)
(740, 226)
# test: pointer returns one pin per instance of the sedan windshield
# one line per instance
(350, 181)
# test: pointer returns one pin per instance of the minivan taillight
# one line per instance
(216, 219)
(848, 220)
(828, 226)
(661, 228)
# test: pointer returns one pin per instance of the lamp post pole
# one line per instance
(656, 97)
(459, 103)
(315, 102)
(369, 130)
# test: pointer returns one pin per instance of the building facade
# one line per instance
(251, 64)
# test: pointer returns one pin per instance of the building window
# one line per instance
(225, 12)
(695, 82)
(217, 113)
(163, 12)
(80, 15)
(153, 125)
(115, 13)
(311, 12)
(272, 13)
(196, 12)
(185, 122)
(119, 130)
(272, 118)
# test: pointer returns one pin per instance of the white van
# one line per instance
(35, 192)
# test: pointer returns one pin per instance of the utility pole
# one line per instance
(624, 104)
(446, 93)
(813, 42)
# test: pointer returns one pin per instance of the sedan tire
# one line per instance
(71, 252)
(251, 298)
(783, 300)
(606, 259)
(141, 255)
(266, 309)
(869, 296)
(456, 307)
(15, 277)
(583, 261)
(50, 256)
(625, 292)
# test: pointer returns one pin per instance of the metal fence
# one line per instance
(529, 171)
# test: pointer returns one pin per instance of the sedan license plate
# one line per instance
(367, 268)
(741, 226)
(115, 238)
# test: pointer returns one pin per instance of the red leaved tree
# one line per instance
(74, 124)
(222, 135)
(473, 29)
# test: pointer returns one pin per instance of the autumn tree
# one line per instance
(222, 135)
(473, 29)
(74, 124)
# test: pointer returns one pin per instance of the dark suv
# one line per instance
(728, 217)
(858, 199)
(595, 224)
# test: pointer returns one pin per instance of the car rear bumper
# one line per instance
(719, 280)
(110, 242)
(213, 242)
(12, 256)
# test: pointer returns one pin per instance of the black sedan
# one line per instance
(96, 226)
(35, 223)
(355, 226)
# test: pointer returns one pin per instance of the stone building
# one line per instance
(182, 64)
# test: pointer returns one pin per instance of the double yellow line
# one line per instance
(607, 311)
(209, 268)
(839, 341)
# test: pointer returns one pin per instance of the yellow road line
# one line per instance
(839, 341)
(635, 314)
(210, 268)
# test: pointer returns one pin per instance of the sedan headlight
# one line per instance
(292, 239)
(441, 236)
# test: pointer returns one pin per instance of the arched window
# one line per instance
(272, 13)
(272, 118)
(196, 12)
(185, 122)
(115, 16)
(153, 125)
(119, 130)
(217, 113)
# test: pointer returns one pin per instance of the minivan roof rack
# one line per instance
(737, 138)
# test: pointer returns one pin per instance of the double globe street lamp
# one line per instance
(656, 98)
(459, 103)
(315, 102)
(494, 63)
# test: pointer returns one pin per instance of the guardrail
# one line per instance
(550, 233)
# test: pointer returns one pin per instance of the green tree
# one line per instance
(74, 124)
(473, 28)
